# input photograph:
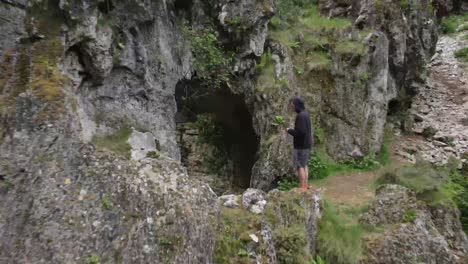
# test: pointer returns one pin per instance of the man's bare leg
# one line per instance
(302, 177)
(306, 181)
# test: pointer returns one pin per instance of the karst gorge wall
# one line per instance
(103, 104)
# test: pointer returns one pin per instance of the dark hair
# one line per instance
(299, 104)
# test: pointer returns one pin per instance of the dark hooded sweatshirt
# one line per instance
(302, 131)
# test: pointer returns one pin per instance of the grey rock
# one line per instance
(252, 196)
(230, 200)
(429, 235)
(141, 144)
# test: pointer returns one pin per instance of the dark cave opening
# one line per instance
(238, 137)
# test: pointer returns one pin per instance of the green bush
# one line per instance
(211, 63)
(317, 168)
(338, 241)
(278, 121)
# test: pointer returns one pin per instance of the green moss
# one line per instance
(152, 154)
(290, 245)
(410, 216)
(94, 259)
(338, 241)
(116, 142)
(233, 235)
(106, 202)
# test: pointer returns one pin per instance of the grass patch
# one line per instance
(351, 47)
(314, 20)
(321, 165)
(451, 24)
(116, 142)
(318, 61)
(462, 54)
(338, 241)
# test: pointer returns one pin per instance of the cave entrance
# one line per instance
(222, 121)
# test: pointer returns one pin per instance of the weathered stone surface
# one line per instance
(417, 233)
(141, 144)
(12, 15)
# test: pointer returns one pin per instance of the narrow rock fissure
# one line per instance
(216, 137)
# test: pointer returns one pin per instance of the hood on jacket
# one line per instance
(299, 104)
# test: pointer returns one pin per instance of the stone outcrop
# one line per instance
(284, 231)
(417, 231)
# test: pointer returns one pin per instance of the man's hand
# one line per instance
(287, 129)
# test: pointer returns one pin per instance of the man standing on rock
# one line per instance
(302, 134)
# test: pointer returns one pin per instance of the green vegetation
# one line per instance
(233, 236)
(462, 54)
(287, 218)
(351, 47)
(106, 202)
(451, 24)
(211, 63)
(435, 185)
(287, 184)
(318, 260)
(278, 121)
(211, 133)
(339, 241)
(430, 184)
(410, 216)
(321, 165)
(94, 259)
(290, 243)
(152, 154)
(318, 60)
(116, 142)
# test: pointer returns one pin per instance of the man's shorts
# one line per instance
(301, 157)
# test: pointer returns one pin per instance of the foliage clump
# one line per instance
(211, 63)
(452, 24)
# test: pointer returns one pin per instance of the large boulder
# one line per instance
(413, 231)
